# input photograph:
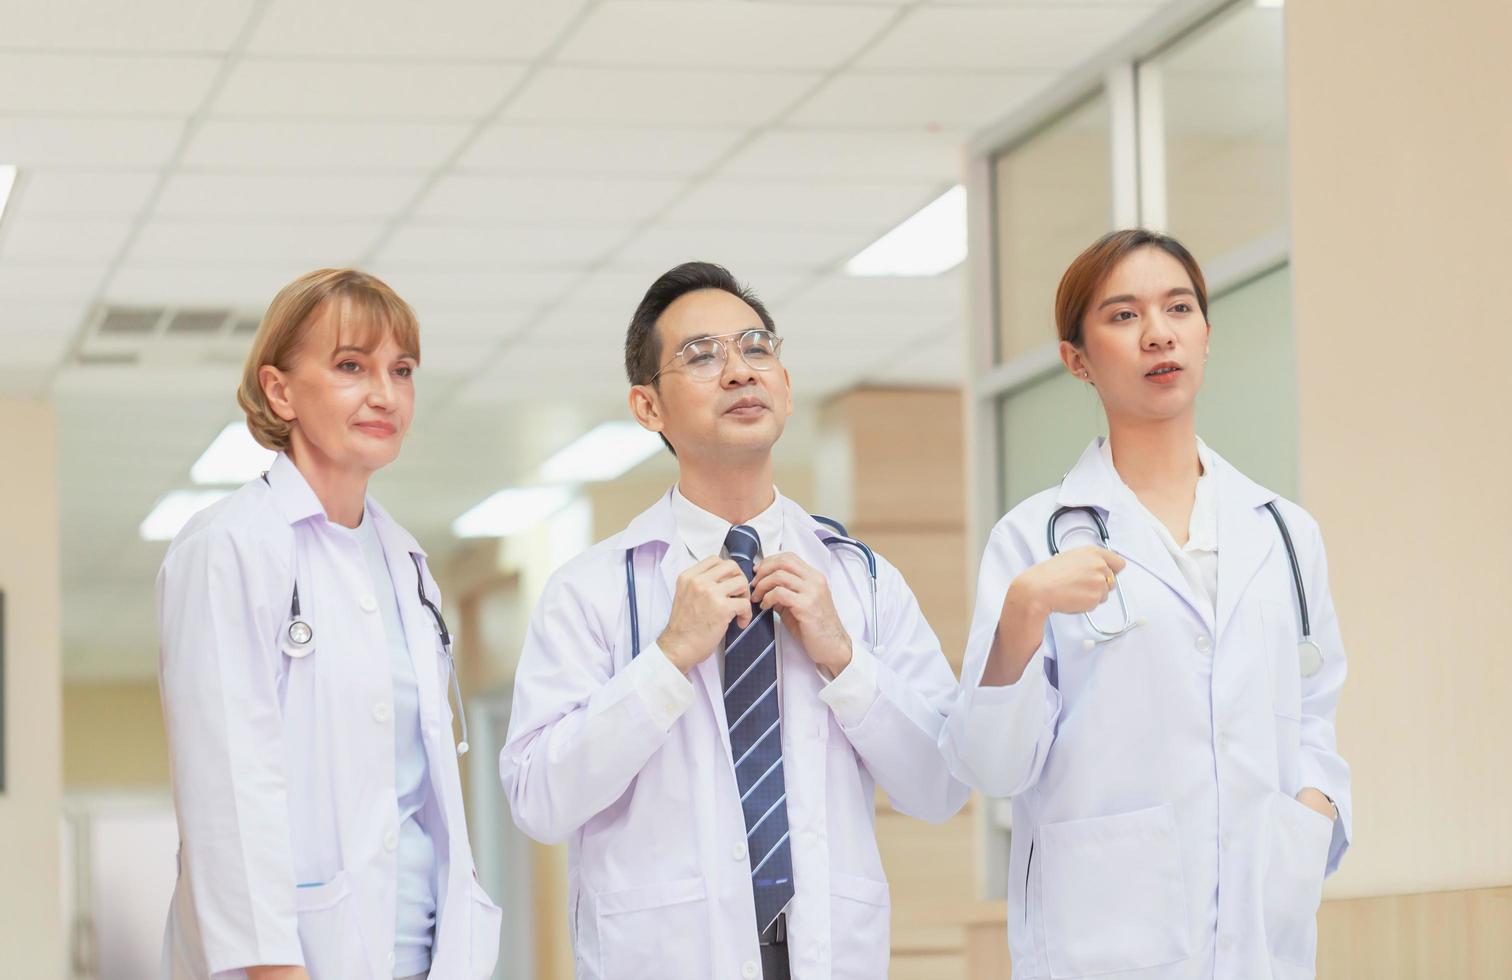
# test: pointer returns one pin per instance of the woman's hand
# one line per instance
(277, 973)
(1074, 581)
(1314, 799)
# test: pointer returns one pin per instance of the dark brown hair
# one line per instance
(1085, 276)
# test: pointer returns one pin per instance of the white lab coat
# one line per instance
(658, 879)
(1155, 834)
(283, 769)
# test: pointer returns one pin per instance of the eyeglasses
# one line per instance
(704, 359)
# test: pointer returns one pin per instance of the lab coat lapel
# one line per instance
(1246, 535)
(658, 524)
(421, 633)
(1092, 482)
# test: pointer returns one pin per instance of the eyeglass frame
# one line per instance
(723, 340)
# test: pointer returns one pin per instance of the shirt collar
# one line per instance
(1202, 528)
(704, 533)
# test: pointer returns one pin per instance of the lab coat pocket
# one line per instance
(328, 933)
(860, 910)
(655, 932)
(1297, 840)
(487, 920)
(1113, 893)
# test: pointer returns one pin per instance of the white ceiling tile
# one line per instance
(33, 348)
(662, 246)
(452, 356)
(803, 153)
(933, 299)
(490, 290)
(616, 150)
(443, 324)
(585, 199)
(871, 206)
(208, 196)
(171, 284)
(78, 142)
(442, 29)
(1000, 39)
(934, 360)
(51, 193)
(52, 283)
(722, 35)
(38, 333)
(599, 309)
(355, 90)
(429, 246)
(344, 146)
(103, 84)
(84, 240)
(917, 100)
(253, 242)
(651, 98)
(163, 25)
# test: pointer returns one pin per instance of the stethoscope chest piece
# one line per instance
(299, 639)
(1309, 658)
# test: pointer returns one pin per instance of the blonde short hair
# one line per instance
(374, 310)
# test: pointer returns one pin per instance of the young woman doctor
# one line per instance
(1140, 689)
(306, 676)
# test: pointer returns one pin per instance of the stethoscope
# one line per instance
(1309, 654)
(841, 537)
(299, 642)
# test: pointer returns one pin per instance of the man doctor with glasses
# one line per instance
(715, 786)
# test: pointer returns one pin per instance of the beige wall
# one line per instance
(31, 921)
(113, 737)
(1401, 168)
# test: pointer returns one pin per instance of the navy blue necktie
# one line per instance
(750, 698)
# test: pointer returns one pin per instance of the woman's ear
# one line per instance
(1075, 361)
(275, 387)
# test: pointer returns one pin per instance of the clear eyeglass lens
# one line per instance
(706, 358)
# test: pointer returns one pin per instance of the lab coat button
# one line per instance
(390, 841)
(1226, 841)
(381, 712)
(1226, 943)
(1203, 643)
(738, 852)
(368, 603)
(750, 970)
(1223, 743)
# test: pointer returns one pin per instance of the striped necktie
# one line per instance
(750, 697)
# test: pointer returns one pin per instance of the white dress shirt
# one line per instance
(1197, 560)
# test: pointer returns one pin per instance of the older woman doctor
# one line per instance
(1135, 678)
(305, 678)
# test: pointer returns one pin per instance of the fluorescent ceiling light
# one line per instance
(511, 511)
(602, 453)
(234, 457)
(927, 244)
(1273, 4)
(7, 181)
(174, 511)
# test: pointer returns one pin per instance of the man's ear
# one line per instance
(645, 405)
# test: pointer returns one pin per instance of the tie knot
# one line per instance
(743, 544)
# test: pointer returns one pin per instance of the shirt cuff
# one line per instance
(854, 690)
(662, 688)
